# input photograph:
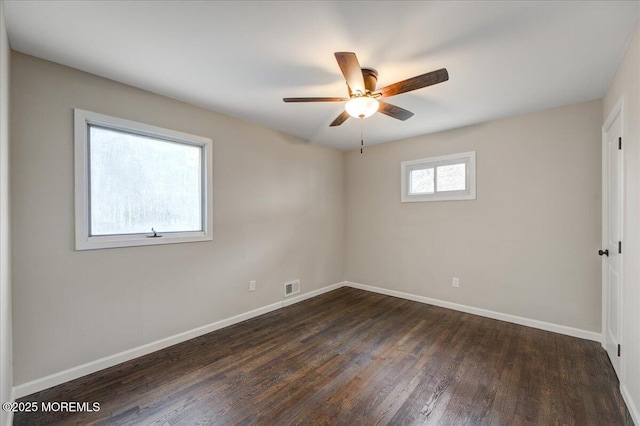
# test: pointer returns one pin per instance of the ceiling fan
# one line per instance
(363, 100)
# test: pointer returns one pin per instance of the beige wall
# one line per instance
(527, 246)
(6, 367)
(627, 83)
(278, 216)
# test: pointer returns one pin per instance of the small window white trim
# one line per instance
(468, 158)
(84, 241)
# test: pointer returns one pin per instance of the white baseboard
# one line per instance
(556, 328)
(111, 360)
(633, 408)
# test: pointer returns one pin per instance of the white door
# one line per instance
(611, 251)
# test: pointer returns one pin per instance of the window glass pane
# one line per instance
(451, 178)
(138, 182)
(421, 181)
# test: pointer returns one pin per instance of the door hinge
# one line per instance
(620, 142)
(618, 350)
(620, 247)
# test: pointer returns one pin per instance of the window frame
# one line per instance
(468, 158)
(84, 241)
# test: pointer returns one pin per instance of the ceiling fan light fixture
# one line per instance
(361, 106)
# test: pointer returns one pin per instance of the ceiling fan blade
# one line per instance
(340, 119)
(351, 70)
(394, 111)
(414, 83)
(315, 99)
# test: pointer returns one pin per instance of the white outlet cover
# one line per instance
(252, 285)
(455, 282)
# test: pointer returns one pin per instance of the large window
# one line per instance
(450, 177)
(138, 184)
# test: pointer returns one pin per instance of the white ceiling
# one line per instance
(241, 58)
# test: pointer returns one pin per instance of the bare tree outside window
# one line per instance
(451, 178)
(422, 181)
(139, 182)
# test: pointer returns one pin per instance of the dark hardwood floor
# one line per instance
(351, 357)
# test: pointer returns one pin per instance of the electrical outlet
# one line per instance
(252, 285)
(455, 282)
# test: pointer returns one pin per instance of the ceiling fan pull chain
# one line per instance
(361, 133)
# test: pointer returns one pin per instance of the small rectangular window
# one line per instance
(450, 177)
(138, 184)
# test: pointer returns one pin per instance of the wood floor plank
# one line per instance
(351, 357)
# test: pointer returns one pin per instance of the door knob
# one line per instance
(605, 252)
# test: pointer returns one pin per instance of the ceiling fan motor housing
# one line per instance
(370, 79)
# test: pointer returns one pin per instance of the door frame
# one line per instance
(618, 109)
